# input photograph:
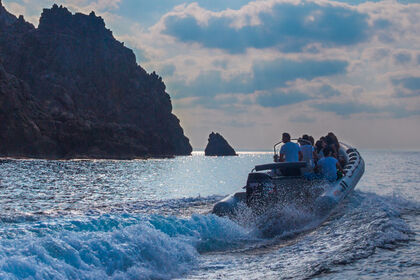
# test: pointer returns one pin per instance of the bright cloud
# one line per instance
(265, 75)
(288, 26)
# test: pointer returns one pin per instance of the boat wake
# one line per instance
(116, 246)
(155, 246)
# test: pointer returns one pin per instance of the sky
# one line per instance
(251, 70)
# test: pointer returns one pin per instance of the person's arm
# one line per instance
(300, 156)
(282, 154)
(317, 167)
(281, 157)
(314, 155)
(340, 168)
(335, 151)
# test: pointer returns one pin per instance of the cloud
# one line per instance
(167, 70)
(328, 91)
(148, 12)
(301, 118)
(208, 83)
(289, 27)
(407, 86)
(276, 73)
(277, 99)
(92, 5)
(380, 53)
(402, 58)
(220, 63)
(346, 109)
(241, 124)
(265, 75)
(232, 103)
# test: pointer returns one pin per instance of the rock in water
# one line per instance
(70, 90)
(218, 146)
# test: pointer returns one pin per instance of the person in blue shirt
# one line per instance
(308, 151)
(328, 165)
(289, 152)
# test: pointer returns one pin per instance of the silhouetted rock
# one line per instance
(69, 89)
(6, 18)
(218, 146)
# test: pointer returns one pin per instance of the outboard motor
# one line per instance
(259, 188)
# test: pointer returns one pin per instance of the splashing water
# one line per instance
(150, 220)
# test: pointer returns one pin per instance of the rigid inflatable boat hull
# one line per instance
(323, 204)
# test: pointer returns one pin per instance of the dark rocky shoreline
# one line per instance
(68, 89)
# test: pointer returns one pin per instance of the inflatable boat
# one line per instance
(281, 183)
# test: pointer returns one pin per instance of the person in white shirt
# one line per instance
(289, 152)
(308, 151)
(329, 165)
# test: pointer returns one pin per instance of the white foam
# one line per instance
(117, 247)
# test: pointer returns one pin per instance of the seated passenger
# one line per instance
(289, 152)
(320, 146)
(312, 140)
(332, 142)
(334, 139)
(318, 149)
(329, 165)
(308, 151)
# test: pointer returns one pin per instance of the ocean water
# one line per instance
(150, 219)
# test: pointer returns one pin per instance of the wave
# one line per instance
(115, 246)
(360, 226)
(155, 246)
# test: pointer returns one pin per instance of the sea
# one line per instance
(151, 219)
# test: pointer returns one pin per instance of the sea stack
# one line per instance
(218, 146)
(69, 89)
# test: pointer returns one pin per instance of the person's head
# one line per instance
(312, 140)
(286, 137)
(329, 140)
(304, 140)
(318, 145)
(327, 152)
(333, 137)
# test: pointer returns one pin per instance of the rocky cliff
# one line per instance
(70, 90)
(218, 146)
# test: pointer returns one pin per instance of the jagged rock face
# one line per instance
(95, 100)
(218, 146)
(6, 18)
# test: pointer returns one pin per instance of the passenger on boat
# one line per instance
(319, 147)
(333, 143)
(308, 151)
(289, 152)
(329, 165)
(338, 153)
(312, 140)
